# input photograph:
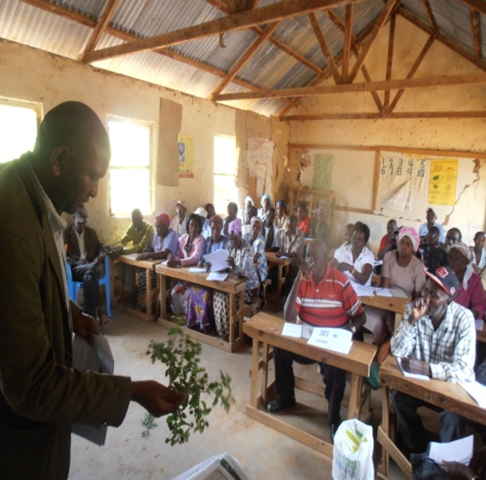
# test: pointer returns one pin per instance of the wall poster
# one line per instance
(443, 181)
(186, 156)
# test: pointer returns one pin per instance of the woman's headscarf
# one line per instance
(411, 233)
(266, 195)
(249, 199)
(164, 219)
(256, 219)
(235, 226)
(464, 249)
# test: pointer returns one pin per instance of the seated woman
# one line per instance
(281, 217)
(303, 222)
(241, 262)
(190, 250)
(356, 259)
(387, 240)
(165, 241)
(244, 214)
(403, 270)
(266, 203)
(232, 210)
(257, 242)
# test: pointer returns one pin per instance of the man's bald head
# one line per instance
(71, 154)
(318, 250)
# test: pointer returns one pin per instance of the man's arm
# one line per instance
(404, 339)
(290, 307)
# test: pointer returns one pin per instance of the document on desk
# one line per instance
(479, 324)
(197, 270)
(383, 292)
(292, 330)
(362, 290)
(457, 451)
(335, 339)
(217, 277)
(406, 374)
(477, 392)
(218, 260)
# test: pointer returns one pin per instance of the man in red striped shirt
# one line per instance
(320, 297)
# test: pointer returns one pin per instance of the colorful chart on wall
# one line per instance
(443, 181)
(186, 156)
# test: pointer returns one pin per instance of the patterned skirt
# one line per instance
(200, 309)
(221, 307)
(179, 296)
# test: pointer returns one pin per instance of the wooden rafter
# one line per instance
(325, 48)
(239, 21)
(444, 39)
(348, 32)
(372, 37)
(236, 6)
(377, 116)
(275, 41)
(245, 58)
(389, 59)
(430, 14)
(423, 82)
(88, 22)
(100, 28)
(355, 49)
(476, 32)
(413, 69)
(479, 5)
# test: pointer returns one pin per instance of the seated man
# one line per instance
(431, 217)
(140, 235)
(437, 339)
(432, 255)
(85, 254)
(179, 221)
(271, 232)
(321, 297)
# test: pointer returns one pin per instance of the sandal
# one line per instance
(103, 320)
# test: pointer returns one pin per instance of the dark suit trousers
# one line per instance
(89, 274)
(334, 379)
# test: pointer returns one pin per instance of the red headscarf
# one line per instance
(163, 218)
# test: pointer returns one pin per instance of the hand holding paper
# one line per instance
(218, 260)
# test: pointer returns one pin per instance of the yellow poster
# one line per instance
(186, 156)
(443, 181)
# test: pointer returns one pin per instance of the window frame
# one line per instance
(217, 174)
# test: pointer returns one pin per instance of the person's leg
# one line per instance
(410, 427)
(221, 304)
(89, 274)
(453, 426)
(335, 381)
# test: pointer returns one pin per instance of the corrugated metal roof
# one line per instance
(269, 68)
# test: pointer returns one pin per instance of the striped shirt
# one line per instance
(450, 350)
(331, 303)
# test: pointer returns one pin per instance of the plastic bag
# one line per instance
(353, 452)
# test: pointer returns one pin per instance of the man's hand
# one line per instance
(116, 252)
(207, 266)
(304, 273)
(231, 262)
(457, 471)
(85, 326)
(343, 267)
(478, 462)
(411, 365)
(170, 256)
(142, 256)
(156, 398)
(173, 263)
(419, 308)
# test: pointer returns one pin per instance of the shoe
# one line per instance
(280, 403)
(334, 428)
(103, 320)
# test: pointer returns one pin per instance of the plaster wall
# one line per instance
(33, 75)
(437, 134)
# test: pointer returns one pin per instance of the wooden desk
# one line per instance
(265, 329)
(448, 396)
(283, 268)
(233, 285)
(393, 304)
(149, 266)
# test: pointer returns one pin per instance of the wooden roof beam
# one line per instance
(423, 82)
(476, 32)
(430, 14)
(88, 22)
(444, 39)
(413, 69)
(325, 48)
(377, 116)
(389, 59)
(371, 39)
(239, 21)
(100, 28)
(348, 32)
(479, 5)
(244, 59)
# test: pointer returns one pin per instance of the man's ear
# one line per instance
(58, 156)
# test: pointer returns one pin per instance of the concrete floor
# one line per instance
(265, 453)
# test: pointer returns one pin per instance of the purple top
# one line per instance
(169, 242)
(473, 297)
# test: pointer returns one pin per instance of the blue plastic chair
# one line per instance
(73, 287)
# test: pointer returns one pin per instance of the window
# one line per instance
(130, 185)
(18, 128)
(225, 190)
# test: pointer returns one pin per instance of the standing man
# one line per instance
(179, 221)
(320, 297)
(41, 395)
(272, 232)
(85, 255)
(140, 235)
(436, 338)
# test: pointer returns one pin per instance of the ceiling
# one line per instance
(258, 55)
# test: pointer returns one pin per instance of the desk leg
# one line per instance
(355, 393)
(232, 318)
(163, 293)
(264, 384)
(279, 281)
(385, 427)
(148, 272)
(254, 373)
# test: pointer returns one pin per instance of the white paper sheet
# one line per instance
(99, 359)
(377, 263)
(362, 291)
(479, 324)
(283, 256)
(218, 260)
(411, 375)
(197, 270)
(335, 339)
(383, 292)
(292, 330)
(458, 451)
(398, 292)
(477, 391)
(217, 277)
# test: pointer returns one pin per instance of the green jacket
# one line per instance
(41, 396)
(140, 240)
